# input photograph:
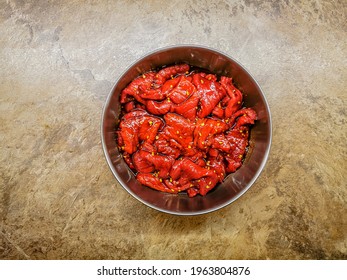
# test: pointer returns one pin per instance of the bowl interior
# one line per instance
(236, 183)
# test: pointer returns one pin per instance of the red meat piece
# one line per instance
(171, 71)
(179, 129)
(207, 184)
(153, 182)
(158, 108)
(163, 147)
(204, 131)
(173, 143)
(232, 163)
(161, 92)
(162, 164)
(213, 152)
(197, 157)
(188, 108)
(128, 160)
(248, 117)
(140, 106)
(146, 162)
(175, 185)
(192, 191)
(238, 139)
(217, 165)
(141, 163)
(133, 89)
(136, 114)
(170, 85)
(245, 116)
(218, 111)
(148, 147)
(136, 126)
(128, 138)
(149, 127)
(153, 94)
(235, 95)
(129, 106)
(211, 77)
(183, 89)
(211, 92)
(192, 152)
(189, 170)
(184, 93)
(221, 143)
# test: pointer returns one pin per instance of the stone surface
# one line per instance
(59, 60)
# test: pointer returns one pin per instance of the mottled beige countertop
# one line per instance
(59, 60)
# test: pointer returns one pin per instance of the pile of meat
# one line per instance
(182, 129)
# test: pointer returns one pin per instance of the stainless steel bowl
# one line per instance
(236, 184)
